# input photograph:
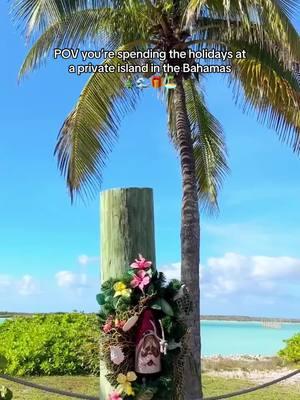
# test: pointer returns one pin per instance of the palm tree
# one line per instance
(264, 82)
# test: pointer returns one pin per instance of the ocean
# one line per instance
(234, 337)
(252, 338)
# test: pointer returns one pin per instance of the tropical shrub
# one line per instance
(65, 344)
(3, 362)
(291, 352)
(5, 393)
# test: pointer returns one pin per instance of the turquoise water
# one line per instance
(233, 337)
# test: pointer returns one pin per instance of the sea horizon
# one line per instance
(204, 317)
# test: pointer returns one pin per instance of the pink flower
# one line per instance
(141, 279)
(115, 396)
(119, 324)
(107, 327)
(141, 263)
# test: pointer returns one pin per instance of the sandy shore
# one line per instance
(258, 369)
(258, 376)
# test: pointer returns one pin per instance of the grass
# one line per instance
(216, 386)
(89, 385)
(78, 384)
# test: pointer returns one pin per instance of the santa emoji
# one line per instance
(150, 343)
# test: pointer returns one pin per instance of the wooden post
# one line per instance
(127, 229)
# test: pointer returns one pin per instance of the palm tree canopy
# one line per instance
(264, 81)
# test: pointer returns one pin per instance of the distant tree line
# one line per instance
(241, 318)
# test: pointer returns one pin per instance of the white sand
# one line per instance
(255, 376)
(258, 376)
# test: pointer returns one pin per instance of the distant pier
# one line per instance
(271, 324)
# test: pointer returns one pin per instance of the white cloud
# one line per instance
(286, 268)
(85, 260)
(172, 271)
(249, 275)
(27, 286)
(65, 278)
(236, 274)
(69, 279)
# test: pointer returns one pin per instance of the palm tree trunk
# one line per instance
(190, 243)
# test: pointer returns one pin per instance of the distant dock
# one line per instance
(271, 324)
(241, 318)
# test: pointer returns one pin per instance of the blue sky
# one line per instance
(250, 257)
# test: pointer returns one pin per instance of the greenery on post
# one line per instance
(124, 300)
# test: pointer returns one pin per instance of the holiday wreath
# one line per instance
(143, 336)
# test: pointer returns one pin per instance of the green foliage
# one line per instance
(292, 350)
(3, 363)
(89, 385)
(5, 393)
(117, 309)
(164, 306)
(66, 344)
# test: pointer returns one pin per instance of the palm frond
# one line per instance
(209, 147)
(296, 71)
(263, 84)
(69, 32)
(169, 98)
(215, 31)
(275, 19)
(38, 15)
(133, 21)
(108, 27)
(90, 130)
(262, 17)
(209, 144)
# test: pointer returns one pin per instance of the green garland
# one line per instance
(141, 287)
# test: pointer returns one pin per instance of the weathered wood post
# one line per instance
(127, 229)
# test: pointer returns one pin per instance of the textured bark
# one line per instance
(190, 242)
(127, 229)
